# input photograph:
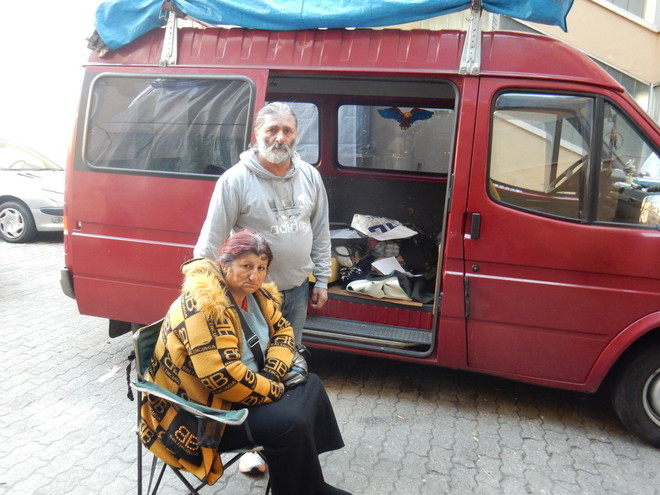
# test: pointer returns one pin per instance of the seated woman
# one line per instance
(202, 355)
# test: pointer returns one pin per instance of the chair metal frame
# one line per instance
(144, 342)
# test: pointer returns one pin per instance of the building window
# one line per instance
(655, 102)
(635, 7)
(639, 91)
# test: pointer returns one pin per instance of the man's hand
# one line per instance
(318, 298)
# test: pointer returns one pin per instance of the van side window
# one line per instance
(308, 130)
(176, 125)
(540, 152)
(397, 138)
(540, 160)
(629, 183)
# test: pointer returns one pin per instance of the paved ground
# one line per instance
(66, 424)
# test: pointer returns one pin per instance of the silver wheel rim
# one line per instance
(12, 223)
(651, 397)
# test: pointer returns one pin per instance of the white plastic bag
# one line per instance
(380, 228)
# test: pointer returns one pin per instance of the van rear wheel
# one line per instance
(636, 395)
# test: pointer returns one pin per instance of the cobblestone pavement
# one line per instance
(67, 426)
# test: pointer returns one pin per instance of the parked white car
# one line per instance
(31, 193)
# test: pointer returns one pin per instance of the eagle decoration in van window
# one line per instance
(405, 119)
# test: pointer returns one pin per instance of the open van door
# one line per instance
(550, 231)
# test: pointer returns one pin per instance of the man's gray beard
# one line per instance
(276, 155)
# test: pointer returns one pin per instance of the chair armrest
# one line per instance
(231, 417)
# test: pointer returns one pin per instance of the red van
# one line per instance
(532, 181)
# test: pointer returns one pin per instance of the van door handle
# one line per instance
(475, 228)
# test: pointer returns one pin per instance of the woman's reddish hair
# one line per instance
(244, 242)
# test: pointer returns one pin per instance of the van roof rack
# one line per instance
(471, 56)
(470, 63)
(169, 54)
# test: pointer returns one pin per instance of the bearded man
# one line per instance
(273, 191)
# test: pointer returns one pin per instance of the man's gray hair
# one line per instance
(274, 108)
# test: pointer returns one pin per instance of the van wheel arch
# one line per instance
(635, 390)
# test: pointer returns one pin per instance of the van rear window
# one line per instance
(396, 138)
(174, 124)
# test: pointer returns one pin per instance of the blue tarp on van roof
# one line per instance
(119, 22)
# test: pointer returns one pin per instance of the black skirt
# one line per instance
(293, 432)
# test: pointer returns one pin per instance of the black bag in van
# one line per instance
(420, 253)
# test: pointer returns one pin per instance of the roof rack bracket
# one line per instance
(471, 56)
(169, 54)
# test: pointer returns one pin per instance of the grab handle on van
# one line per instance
(475, 229)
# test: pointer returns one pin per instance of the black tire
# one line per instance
(636, 395)
(16, 222)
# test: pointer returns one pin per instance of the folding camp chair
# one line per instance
(144, 342)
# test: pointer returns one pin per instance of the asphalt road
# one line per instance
(67, 427)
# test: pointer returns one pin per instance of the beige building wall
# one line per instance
(607, 34)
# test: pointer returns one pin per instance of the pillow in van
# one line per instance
(383, 287)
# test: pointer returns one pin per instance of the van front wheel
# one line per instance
(636, 395)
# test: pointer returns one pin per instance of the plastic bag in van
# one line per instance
(381, 228)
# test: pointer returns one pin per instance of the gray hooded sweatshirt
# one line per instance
(291, 212)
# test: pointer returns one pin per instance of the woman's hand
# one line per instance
(297, 373)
